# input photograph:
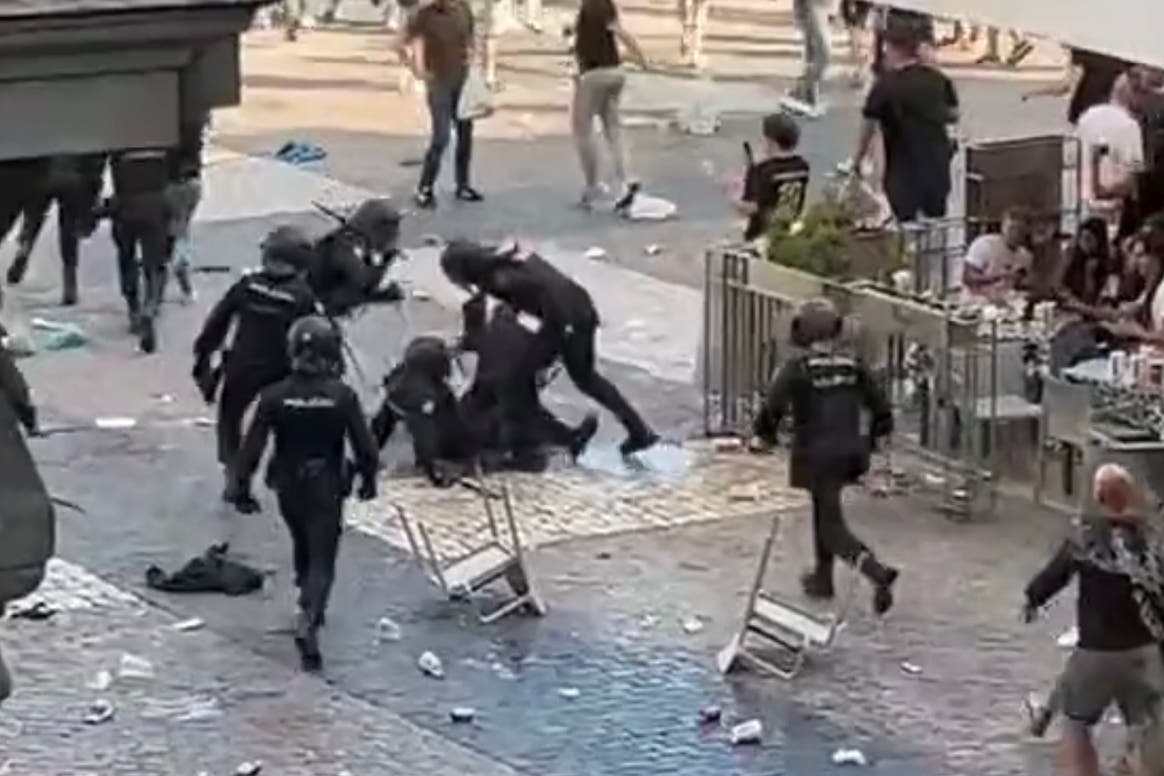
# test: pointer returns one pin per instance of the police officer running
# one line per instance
(310, 413)
(567, 319)
(827, 387)
(264, 304)
(352, 260)
(141, 219)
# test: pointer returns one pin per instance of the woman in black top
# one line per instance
(598, 88)
(1091, 268)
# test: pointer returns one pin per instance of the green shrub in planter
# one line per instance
(826, 242)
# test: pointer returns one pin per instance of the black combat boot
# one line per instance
(818, 584)
(147, 334)
(636, 443)
(133, 306)
(582, 435)
(69, 285)
(883, 578)
(307, 642)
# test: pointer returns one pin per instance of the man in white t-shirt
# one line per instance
(1111, 144)
(997, 263)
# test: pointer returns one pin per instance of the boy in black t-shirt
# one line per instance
(775, 188)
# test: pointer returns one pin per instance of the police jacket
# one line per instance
(826, 387)
(530, 284)
(310, 417)
(340, 276)
(502, 344)
(430, 412)
(140, 172)
(265, 306)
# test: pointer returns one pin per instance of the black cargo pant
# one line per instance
(71, 217)
(311, 500)
(830, 531)
(141, 223)
(513, 413)
(574, 344)
(241, 385)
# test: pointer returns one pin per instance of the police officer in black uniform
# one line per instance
(311, 414)
(827, 387)
(352, 259)
(74, 183)
(567, 318)
(417, 394)
(141, 220)
(504, 400)
(264, 304)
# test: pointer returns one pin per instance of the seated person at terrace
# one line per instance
(1090, 282)
(1141, 320)
(998, 263)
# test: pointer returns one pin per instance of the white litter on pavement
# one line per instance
(249, 769)
(186, 626)
(133, 667)
(849, 757)
(462, 715)
(570, 693)
(388, 630)
(692, 625)
(114, 424)
(430, 665)
(101, 681)
(99, 712)
(750, 732)
(595, 254)
(647, 208)
(911, 668)
(1069, 639)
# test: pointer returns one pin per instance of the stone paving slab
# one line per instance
(209, 706)
(574, 503)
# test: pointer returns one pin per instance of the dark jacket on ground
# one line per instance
(1106, 614)
(827, 389)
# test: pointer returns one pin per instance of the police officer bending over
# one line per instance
(351, 261)
(566, 316)
(311, 414)
(827, 387)
(264, 304)
(504, 401)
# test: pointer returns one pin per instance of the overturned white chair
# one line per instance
(498, 557)
(792, 630)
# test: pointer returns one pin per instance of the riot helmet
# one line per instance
(377, 224)
(816, 321)
(315, 347)
(429, 356)
(466, 263)
(287, 251)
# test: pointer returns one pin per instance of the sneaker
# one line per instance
(817, 585)
(627, 199)
(424, 199)
(469, 194)
(633, 444)
(1038, 716)
(583, 434)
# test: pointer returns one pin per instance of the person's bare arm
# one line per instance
(864, 141)
(408, 47)
(629, 42)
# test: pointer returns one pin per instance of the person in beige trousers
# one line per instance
(598, 88)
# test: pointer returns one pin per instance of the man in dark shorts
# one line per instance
(914, 106)
(775, 187)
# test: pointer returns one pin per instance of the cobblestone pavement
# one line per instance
(574, 503)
